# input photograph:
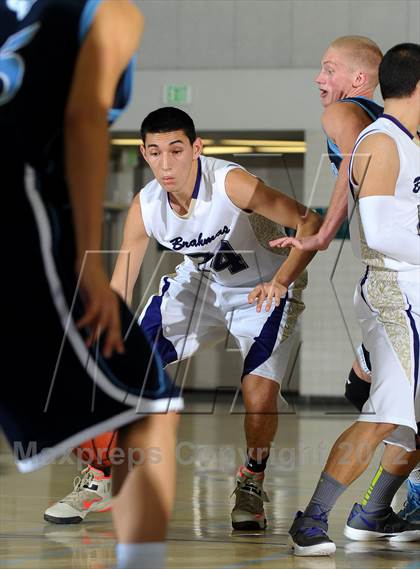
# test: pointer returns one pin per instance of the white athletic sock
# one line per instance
(415, 476)
(141, 555)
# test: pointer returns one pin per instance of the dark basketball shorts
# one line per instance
(60, 393)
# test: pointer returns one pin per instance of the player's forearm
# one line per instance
(127, 268)
(298, 260)
(337, 209)
(86, 155)
(124, 276)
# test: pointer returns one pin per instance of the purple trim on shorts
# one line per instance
(151, 325)
(416, 346)
(264, 343)
(362, 282)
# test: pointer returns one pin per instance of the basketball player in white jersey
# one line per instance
(221, 218)
(385, 233)
(347, 81)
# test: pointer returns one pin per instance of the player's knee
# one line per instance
(261, 406)
(167, 422)
(357, 390)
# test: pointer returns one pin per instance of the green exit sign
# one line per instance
(177, 94)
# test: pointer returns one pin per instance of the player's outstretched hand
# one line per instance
(310, 243)
(101, 315)
(268, 292)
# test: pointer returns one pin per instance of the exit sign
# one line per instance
(177, 94)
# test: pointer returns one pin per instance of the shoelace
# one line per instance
(250, 487)
(79, 483)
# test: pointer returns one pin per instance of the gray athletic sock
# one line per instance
(382, 489)
(325, 496)
(415, 476)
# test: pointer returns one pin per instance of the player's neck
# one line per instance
(181, 199)
(360, 92)
(405, 112)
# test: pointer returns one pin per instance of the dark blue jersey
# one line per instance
(39, 44)
(372, 109)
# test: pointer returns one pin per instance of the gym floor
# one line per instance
(210, 445)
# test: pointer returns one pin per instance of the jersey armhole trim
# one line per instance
(360, 104)
(127, 89)
(86, 17)
(237, 209)
(144, 217)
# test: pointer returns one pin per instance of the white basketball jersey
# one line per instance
(407, 194)
(215, 236)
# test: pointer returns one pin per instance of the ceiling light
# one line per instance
(138, 142)
(282, 149)
(227, 149)
(251, 142)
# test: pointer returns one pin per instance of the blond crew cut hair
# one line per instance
(362, 54)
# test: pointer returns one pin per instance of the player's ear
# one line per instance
(142, 150)
(197, 147)
(360, 79)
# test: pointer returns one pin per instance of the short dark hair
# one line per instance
(168, 119)
(399, 71)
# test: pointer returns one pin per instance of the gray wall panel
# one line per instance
(386, 22)
(205, 34)
(270, 34)
(263, 34)
(251, 99)
(315, 25)
(160, 45)
(413, 21)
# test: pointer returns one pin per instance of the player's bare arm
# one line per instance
(108, 47)
(342, 122)
(376, 166)
(132, 252)
(249, 193)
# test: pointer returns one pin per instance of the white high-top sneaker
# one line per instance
(91, 493)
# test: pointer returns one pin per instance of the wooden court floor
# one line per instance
(200, 535)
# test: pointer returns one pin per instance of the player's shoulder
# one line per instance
(340, 110)
(344, 119)
(119, 23)
(151, 192)
(373, 139)
(378, 143)
(210, 164)
(216, 171)
(123, 10)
